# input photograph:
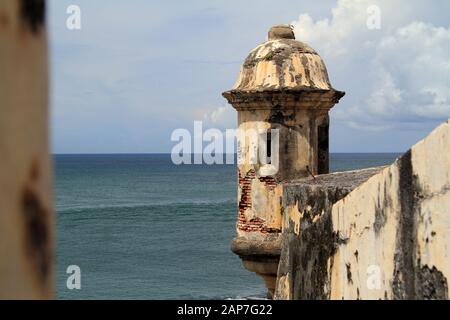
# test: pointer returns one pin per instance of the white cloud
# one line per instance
(223, 117)
(396, 75)
(134, 73)
(217, 114)
(336, 33)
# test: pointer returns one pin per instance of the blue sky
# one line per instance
(139, 69)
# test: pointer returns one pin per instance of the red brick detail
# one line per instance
(270, 182)
(257, 224)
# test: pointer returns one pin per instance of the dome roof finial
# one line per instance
(281, 31)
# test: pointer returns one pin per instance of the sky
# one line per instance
(137, 70)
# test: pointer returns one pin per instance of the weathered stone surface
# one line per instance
(281, 31)
(26, 214)
(283, 71)
(393, 222)
(254, 248)
(387, 239)
(283, 63)
(308, 239)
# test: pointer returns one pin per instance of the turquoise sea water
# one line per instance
(140, 227)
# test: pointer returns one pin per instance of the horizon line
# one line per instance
(166, 153)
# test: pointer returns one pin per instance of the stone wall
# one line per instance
(387, 239)
(26, 214)
(308, 240)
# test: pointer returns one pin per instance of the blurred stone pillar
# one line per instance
(26, 214)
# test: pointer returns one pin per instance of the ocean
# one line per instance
(140, 227)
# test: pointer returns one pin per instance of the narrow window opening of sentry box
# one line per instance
(269, 147)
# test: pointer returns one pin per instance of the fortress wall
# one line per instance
(26, 214)
(367, 220)
(308, 240)
(398, 228)
(387, 239)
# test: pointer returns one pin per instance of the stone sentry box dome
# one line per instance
(285, 65)
(283, 85)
